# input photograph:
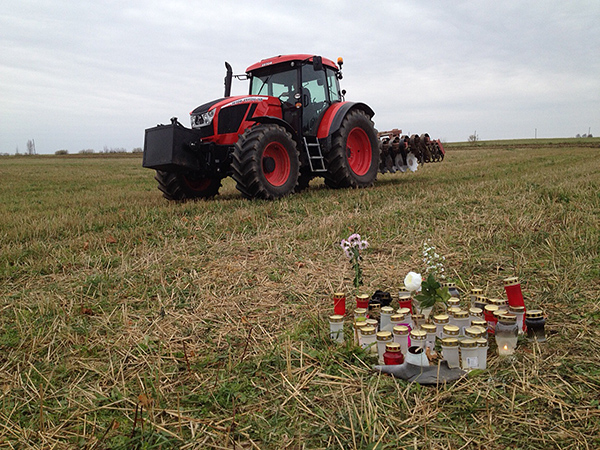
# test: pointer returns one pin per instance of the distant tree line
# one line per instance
(106, 150)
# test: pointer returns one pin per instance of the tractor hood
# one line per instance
(222, 120)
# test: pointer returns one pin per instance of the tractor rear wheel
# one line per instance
(353, 160)
(265, 162)
(179, 186)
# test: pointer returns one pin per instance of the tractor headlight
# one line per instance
(203, 119)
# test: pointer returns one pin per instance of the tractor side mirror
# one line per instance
(317, 63)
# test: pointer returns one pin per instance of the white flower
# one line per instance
(354, 239)
(412, 162)
(363, 245)
(412, 281)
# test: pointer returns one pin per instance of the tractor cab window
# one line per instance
(333, 85)
(314, 97)
(279, 84)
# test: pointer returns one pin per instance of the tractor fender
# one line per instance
(276, 121)
(333, 117)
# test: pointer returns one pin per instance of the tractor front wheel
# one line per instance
(179, 186)
(353, 160)
(265, 162)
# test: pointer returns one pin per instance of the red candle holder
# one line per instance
(362, 301)
(406, 302)
(513, 292)
(339, 303)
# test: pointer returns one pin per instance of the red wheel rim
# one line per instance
(280, 173)
(197, 185)
(358, 151)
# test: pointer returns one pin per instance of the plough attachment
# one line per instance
(401, 152)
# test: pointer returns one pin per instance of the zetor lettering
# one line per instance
(294, 125)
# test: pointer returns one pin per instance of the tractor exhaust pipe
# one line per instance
(228, 79)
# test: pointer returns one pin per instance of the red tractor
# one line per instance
(293, 126)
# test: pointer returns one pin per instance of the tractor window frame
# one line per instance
(275, 83)
(333, 85)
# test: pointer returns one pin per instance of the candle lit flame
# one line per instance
(505, 347)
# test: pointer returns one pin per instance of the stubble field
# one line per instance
(129, 322)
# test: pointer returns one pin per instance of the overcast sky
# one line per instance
(84, 75)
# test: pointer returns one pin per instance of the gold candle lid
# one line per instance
(393, 347)
(461, 314)
(418, 334)
(476, 291)
(387, 310)
(468, 343)
(473, 332)
(361, 324)
(400, 329)
(491, 308)
(360, 311)
(508, 319)
(475, 311)
(449, 342)
(339, 295)
(428, 327)
(397, 317)
(384, 335)
(534, 314)
(516, 309)
(372, 322)
(404, 311)
(511, 281)
(336, 318)
(367, 330)
(362, 297)
(451, 329)
(441, 318)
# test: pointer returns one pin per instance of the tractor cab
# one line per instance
(306, 86)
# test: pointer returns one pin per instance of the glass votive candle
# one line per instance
(417, 338)
(408, 321)
(482, 349)
(535, 324)
(453, 290)
(373, 323)
(430, 329)
(362, 301)
(513, 291)
(393, 354)
(336, 328)
(468, 354)
(453, 301)
(402, 291)
(450, 352)
(475, 292)
(339, 304)
(357, 327)
(360, 314)
(383, 338)
(507, 334)
(519, 312)
(501, 303)
(397, 319)
(401, 337)
(385, 322)
(462, 320)
(367, 339)
(450, 331)
(490, 318)
(474, 332)
(475, 313)
(418, 320)
(439, 321)
(405, 300)
(480, 301)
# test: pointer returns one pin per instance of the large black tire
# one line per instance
(353, 160)
(265, 162)
(180, 187)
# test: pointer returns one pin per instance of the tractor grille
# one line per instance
(230, 118)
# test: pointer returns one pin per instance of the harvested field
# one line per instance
(127, 321)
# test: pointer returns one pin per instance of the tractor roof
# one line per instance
(287, 58)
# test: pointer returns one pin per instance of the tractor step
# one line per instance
(315, 156)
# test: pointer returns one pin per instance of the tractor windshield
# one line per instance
(279, 84)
